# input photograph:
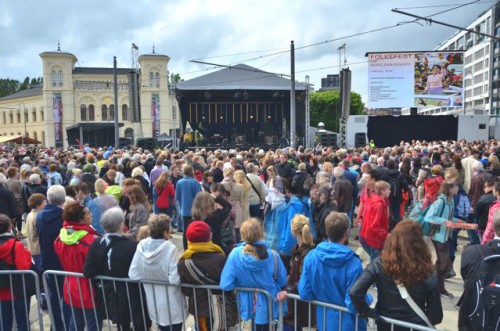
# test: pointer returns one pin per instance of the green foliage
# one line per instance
(10, 86)
(175, 78)
(325, 107)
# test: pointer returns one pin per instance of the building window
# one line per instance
(104, 113)
(91, 113)
(4, 118)
(33, 115)
(54, 78)
(111, 112)
(35, 135)
(43, 137)
(83, 112)
(18, 117)
(11, 119)
(42, 116)
(151, 78)
(60, 78)
(26, 117)
(124, 113)
(174, 113)
(157, 80)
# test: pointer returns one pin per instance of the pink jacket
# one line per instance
(489, 233)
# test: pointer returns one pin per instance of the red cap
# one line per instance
(198, 231)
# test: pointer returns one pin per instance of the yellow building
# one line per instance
(77, 103)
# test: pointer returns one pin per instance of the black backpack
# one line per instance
(486, 295)
(395, 187)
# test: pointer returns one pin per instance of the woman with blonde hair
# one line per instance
(236, 196)
(302, 233)
(139, 210)
(253, 265)
(240, 178)
(213, 211)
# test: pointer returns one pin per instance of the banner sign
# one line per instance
(155, 114)
(414, 79)
(57, 110)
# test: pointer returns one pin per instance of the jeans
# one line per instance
(177, 221)
(84, 317)
(21, 310)
(56, 300)
(396, 213)
(473, 236)
(187, 220)
(172, 327)
(371, 251)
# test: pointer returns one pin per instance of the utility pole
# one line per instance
(292, 95)
(115, 87)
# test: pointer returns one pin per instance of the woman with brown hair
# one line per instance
(139, 210)
(240, 178)
(404, 265)
(213, 211)
(164, 195)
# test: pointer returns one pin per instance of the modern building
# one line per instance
(78, 103)
(330, 82)
(481, 66)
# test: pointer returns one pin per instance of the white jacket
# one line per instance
(156, 259)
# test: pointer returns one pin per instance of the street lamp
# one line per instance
(24, 116)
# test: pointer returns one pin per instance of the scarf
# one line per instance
(203, 247)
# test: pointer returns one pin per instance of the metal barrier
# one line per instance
(123, 301)
(341, 310)
(23, 285)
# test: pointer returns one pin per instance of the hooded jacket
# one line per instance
(433, 216)
(245, 270)
(72, 247)
(295, 206)
(328, 273)
(22, 258)
(48, 224)
(375, 222)
(156, 260)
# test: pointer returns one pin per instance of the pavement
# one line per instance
(450, 311)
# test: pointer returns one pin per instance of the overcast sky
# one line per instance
(220, 32)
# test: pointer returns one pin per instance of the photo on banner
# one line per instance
(57, 110)
(155, 114)
(415, 79)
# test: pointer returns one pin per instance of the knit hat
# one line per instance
(198, 231)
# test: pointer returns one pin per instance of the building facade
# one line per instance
(78, 103)
(481, 66)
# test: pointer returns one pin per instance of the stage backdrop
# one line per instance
(415, 79)
(390, 130)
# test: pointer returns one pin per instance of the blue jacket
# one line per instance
(54, 178)
(435, 216)
(48, 224)
(244, 270)
(272, 226)
(328, 273)
(294, 207)
(185, 191)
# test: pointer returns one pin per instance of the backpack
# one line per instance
(486, 295)
(418, 215)
(395, 187)
(462, 206)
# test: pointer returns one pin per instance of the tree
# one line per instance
(175, 78)
(325, 107)
(8, 86)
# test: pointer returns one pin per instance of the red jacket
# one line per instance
(72, 246)
(165, 196)
(22, 257)
(375, 225)
(431, 189)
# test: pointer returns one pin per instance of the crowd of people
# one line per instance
(279, 221)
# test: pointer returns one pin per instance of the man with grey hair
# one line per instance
(111, 256)
(472, 257)
(48, 225)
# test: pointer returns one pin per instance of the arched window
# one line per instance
(35, 135)
(42, 116)
(83, 112)
(104, 113)
(91, 113)
(11, 118)
(18, 117)
(26, 116)
(124, 113)
(54, 78)
(151, 78)
(60, 78)
(111, 112)
(33, 114)
(157, 80)
(4, 118)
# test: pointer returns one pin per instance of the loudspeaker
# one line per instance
(359, 139)
(328, 139)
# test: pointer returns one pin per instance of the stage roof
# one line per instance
(239, 77)
(18, 140)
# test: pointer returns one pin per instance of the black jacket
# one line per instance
(286, 171)
(111, 256)
(215, 220)
(9, 204)
(395, 198)
(483, 207)
(472, 257)
(390, 304)
(319, 216)
(218, 175)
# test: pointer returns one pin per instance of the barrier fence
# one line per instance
(125, 304)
